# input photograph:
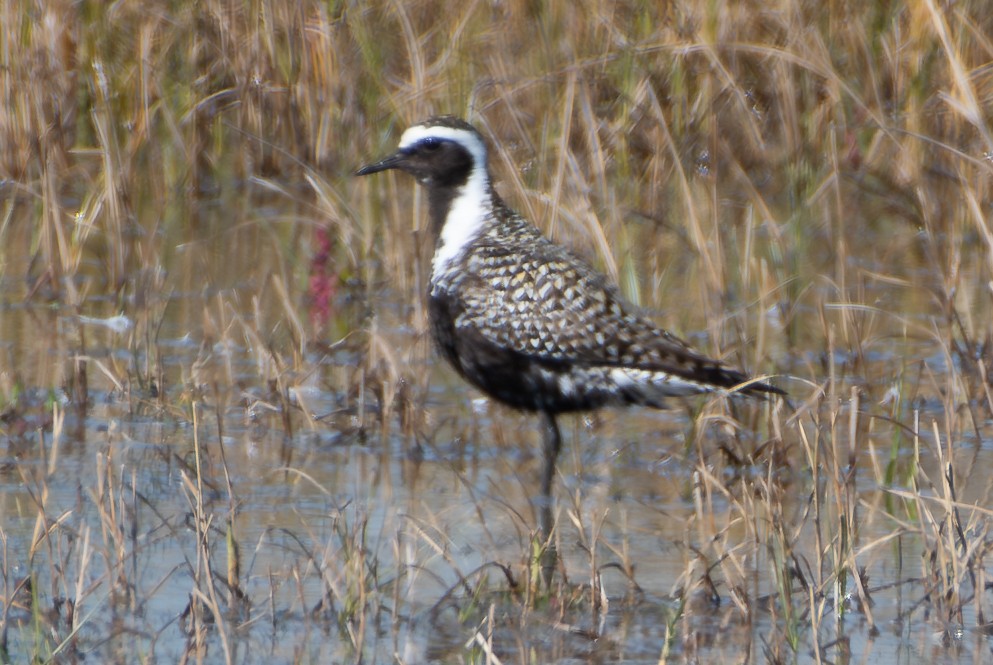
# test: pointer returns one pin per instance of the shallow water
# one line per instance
(402, 533)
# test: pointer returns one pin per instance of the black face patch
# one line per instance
(437, 162)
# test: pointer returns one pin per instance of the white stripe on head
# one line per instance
(472, 205)
(469, 140)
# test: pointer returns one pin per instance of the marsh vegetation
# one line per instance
(225, 437)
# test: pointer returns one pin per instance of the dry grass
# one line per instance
(185, 259)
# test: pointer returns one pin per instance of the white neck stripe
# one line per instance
(472, 205)
(469, 211)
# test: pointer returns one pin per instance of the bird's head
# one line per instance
(443, 151)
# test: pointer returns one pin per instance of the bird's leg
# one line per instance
(552, 445)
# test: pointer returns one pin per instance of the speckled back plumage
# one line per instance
(537, 328)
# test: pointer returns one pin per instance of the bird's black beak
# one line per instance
(391, 162)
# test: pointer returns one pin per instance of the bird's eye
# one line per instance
(430, 145)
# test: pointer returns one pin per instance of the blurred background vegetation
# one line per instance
(801, 187)
(752, 158)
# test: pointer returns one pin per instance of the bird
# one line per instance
(524, 319)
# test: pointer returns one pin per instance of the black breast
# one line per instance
(516, 379)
